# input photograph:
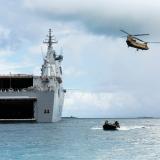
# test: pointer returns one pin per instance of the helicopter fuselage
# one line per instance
(132, 42)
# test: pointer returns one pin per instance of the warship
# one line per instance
(32, 98)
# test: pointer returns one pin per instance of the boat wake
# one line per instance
(96, 128)
(122, 128)
(126, 128)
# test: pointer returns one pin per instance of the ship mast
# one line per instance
(51, 39)
(49, 66)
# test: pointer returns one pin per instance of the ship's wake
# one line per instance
(96, 128)
(122, 128)
(126, 128)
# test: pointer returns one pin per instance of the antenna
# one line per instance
(51, 39)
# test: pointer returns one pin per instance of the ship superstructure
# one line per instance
(34, 98)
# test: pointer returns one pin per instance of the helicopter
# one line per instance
(133, 41)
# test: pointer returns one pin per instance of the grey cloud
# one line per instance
(103, 16)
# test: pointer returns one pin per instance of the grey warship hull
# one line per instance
(35, 106)
(25, 98)
(34, 98)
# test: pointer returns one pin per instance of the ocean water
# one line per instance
(81, 139)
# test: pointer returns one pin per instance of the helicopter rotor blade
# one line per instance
(140, 34)
(139, 39)
(152, 42)
(124, 32)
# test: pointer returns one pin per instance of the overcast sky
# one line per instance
(105, 78)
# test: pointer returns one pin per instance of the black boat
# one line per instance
(109, 126)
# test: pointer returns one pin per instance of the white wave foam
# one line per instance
(122, 128)
(126, 128)
(96, 128)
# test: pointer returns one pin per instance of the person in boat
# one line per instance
(106, 122)
(117, 124)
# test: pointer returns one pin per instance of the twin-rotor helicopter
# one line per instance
(133, 41)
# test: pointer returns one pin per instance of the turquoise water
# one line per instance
(81, 139)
